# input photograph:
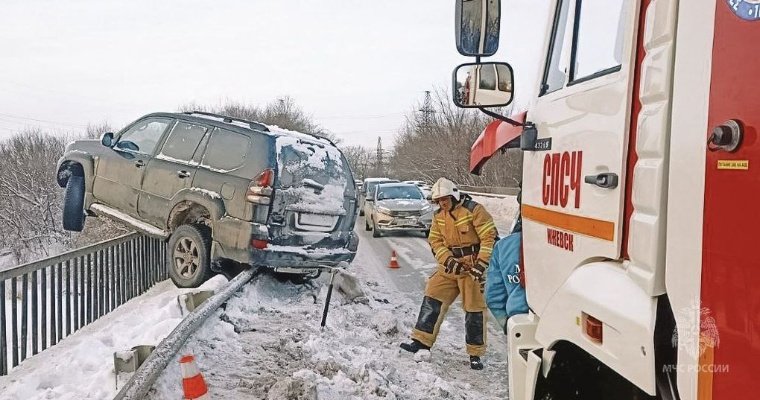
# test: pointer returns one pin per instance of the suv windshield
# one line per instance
(399, 192)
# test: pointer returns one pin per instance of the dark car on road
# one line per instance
(219, 188)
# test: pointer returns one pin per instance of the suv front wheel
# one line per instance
(73, 204)
(190, 255)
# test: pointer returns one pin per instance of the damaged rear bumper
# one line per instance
(298, 257)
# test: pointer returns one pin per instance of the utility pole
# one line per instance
(427, 111)
(379, 161)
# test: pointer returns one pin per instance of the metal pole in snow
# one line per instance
(329, 295)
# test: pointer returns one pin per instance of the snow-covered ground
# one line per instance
(267, 343)
(81, 366)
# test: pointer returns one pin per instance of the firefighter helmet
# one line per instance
(444, 187)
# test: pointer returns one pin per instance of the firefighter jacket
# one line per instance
(468, 226)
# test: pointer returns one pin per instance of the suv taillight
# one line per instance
(260, 188)
(265, 178)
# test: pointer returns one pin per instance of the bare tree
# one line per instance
(361, 160)
(437, 144)
(283, 112)
(30, 201)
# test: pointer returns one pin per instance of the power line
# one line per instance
(361, 116)
(41, 120)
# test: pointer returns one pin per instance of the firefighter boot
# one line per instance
(475, 363)
(414, 346)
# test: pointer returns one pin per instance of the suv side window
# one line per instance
(226, 150)
(143, 136)
(183, 141)
(598, 47)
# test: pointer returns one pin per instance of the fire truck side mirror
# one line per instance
(477, 27)
(478, 85)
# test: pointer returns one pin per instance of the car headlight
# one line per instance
(383, 210)
(427, 208)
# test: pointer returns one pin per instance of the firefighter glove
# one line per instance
(452, 266)
(478, 272)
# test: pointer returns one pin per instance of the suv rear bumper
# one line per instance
(297, 257)
(232, 240)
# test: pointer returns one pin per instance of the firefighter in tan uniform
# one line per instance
(462, 238)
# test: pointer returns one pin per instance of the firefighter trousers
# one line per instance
(441, 290)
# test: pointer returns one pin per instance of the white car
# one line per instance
(368, 192)
(398, 207)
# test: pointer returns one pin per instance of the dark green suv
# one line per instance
(219, 188)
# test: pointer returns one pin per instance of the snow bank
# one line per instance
(81, 366)
(503, 210)
(267, 344)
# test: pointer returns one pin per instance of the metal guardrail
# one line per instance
(59, 295)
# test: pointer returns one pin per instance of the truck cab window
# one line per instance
(599, 39)
(555, 75)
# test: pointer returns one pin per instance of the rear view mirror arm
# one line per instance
(500, 117)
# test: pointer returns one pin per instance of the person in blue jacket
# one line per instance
(505, 294)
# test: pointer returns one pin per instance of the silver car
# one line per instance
(398, 207)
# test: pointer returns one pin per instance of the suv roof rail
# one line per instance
(228, 119)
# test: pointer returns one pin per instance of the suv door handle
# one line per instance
(607, 180)
(139, 163)
(183, 174)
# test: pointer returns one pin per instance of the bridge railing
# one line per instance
(44, 301)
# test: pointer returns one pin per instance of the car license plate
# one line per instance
(322, 220)
(408, 221)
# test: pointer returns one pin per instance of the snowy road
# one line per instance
(267, 344)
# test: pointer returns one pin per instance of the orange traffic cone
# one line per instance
(394, 260)
(193, 384)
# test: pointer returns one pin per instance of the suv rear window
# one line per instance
(315, 176)
(302, 160)
(226, 150)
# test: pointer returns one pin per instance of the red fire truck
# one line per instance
(638, 194)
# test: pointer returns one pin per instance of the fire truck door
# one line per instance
(730, 309)
(574, 179)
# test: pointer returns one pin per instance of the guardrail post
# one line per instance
(3, 338)
(68, 300)
(35, 314)
(24, 314)
(14, 320)
(43, 309)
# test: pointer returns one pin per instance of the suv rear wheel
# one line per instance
(190, 256)
(73, 204)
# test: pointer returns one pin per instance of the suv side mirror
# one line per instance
(107, 139)
(477, 27)
(479, 85)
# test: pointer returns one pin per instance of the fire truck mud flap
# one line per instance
(602, 311)
(525, 355)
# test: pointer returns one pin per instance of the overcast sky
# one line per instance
(356, 66)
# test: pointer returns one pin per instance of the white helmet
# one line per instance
(444, 187)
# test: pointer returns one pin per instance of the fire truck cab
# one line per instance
(638, 197)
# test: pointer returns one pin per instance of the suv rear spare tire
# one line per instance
(189, 254)
(73, 204)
